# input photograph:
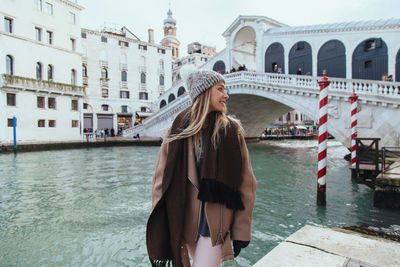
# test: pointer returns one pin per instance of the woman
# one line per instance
(203, 188)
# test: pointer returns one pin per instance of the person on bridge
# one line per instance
(203, 188)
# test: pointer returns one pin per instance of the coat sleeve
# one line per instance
(241, 228)
(156, 189)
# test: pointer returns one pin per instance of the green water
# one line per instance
(89, 207)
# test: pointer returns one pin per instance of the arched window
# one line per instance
(73, 77)
(9, 65)
(171, 98)
(104, 73)
(181, 91)
(300, 59)
(84, 70)
(49, 72)
(163, 103)
(161, 80)
(219, 66)
(143, 78)
(124, 76)
(297, 117)
(288, 117)
(38, 71)
(161, 64)
(275, 59)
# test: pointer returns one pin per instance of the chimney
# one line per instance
(151, 36)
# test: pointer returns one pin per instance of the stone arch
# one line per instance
(274, 58)
(171, 98)
(370, 59)
(219, 66)
(300, 57)
(181, 91)
(163, 103)
(332, 58)
(244, 48)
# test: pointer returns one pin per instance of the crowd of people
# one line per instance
(240, 68)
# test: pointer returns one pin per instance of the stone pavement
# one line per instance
(313, 246)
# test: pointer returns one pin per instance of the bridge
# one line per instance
(257, 99)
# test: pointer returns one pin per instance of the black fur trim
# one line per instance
(212, 190)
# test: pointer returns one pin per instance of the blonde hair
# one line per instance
(198, 119)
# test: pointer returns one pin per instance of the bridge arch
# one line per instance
(274, 58)
(181, 91)
(244, 48)
(300, 59)
(220, 67)
(163, 103)
(398, 66)
(370, 59)
(171, 98)
(268, 106)
(332, 58)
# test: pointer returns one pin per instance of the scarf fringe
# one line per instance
(162, 263)
(212, 190)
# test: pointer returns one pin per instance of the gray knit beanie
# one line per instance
(201, 80)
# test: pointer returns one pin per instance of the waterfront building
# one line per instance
(123, 76)
(40, 65)
(198, 54)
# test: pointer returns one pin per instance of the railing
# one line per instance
(142, 86)
(123, 84)
(103, 64)
(361, 87)
(85, 80)
(123, 66)
(104, 82)
(142, 69)
(24, 82)
(389, 155)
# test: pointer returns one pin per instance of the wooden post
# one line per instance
(322, 140)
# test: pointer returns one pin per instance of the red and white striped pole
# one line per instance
(354, 106)
(322, 139)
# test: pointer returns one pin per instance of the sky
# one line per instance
(205, 20)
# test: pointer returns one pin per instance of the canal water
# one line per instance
(89, 207)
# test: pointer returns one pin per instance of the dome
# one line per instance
(169, 20)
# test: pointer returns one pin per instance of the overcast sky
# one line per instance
(206, 20)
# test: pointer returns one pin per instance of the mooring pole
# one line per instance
(15, 132)
(322, 139)
(354, 105)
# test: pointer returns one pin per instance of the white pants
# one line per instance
(204, 254)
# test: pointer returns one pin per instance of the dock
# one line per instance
(314, 246)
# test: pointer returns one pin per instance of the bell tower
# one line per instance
(170, 39)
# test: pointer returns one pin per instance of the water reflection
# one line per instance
(90, 206)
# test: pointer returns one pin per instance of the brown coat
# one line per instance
(224, 224)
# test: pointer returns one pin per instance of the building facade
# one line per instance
(123, 76)
(40, 67)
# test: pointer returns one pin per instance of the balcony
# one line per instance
(104, 82)
(123, 84)
(142, 69)
(123, 66)
(85, 80)
(142, 86)
(103, 64)
(161, 88)
(23, 83)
